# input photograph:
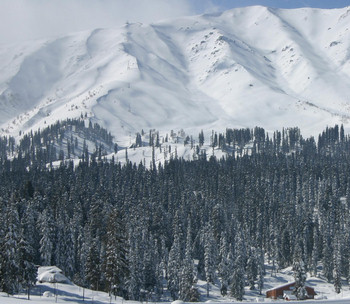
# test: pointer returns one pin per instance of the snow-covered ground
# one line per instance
(245, 67)
(47, 293)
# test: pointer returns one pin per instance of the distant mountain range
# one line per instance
(244, 67)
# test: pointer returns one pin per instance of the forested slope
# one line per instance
(286, 200)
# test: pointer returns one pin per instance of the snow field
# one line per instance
(47, 293)
(241, 68)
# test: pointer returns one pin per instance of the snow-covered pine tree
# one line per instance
(11, 281)
(201, 138)
(210, 256)
(237, 281)
(162, 266)
(225, 272)
(60, 238)
(286, 251)
(149, 262)
(299, 274)
(187, 279)
(261, 271)
(174, 269)
(92, 266)
(117, 269)
(327, 259)
(238, 276)
(252, 268)
(337, 271)
(27, 269)
(225, 265)
(2, 243)
(275, 251)
(45, 227)
(29, 227)
(315, 251)
(135, 257)
(68, 249)
(76, 224)
(158, 272)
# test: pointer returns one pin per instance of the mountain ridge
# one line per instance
(240, 68)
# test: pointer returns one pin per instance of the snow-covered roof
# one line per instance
(281, 286)
(284, 286)
(52, 274)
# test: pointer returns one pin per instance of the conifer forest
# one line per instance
(138, 231)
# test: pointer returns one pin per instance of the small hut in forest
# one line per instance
(279, 291)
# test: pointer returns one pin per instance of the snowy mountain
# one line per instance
(244, 67)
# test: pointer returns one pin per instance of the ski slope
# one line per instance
(246, 67)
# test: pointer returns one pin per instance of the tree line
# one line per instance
(138, 232)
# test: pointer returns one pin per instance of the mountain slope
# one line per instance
(244, 67)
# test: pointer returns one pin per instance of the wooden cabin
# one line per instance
(279, 291)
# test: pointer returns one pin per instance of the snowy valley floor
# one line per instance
(45, 293)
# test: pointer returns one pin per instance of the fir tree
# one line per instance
(187, 278)
(45, 227)
(27, 269)
(261, 272)
(237, 281)
(210, 256)
(252, 269)
(117, 268)
(299, 275)
(175, 260)
(225, 265)
(337, 266)
(238, 276)
(92, 266)
(11, 262)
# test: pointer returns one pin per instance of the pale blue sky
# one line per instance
(221, 5)
(33, 19)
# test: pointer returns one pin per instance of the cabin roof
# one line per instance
(281, 286)
(285, 285)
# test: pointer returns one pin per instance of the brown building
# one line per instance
(278, 292)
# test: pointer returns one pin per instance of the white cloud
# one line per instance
(32, 19)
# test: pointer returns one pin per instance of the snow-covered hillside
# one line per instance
(245, 67)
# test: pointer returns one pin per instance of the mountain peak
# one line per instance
(243, 67)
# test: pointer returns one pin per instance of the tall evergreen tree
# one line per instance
(117, 268)
(237, 281)
(135, 264)
(45, 227)
(261, 272)
(174, 269)
(252, 269)
(92, 266)
(210, 256)
(337, 266)
(11, 282)
(299, 275)
(238, 276)
(225, 265)
(27, 268)
(187, 277)
(327, 260)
